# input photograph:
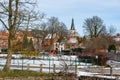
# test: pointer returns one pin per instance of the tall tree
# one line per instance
(31, 46)
(25, 42)
(52, 28)
(112, 48)
(111, 30)
(62, 31)
(40, 32)
(30, 21)
(56, 27)
(94, 26)
(7, 9)
(12, 16)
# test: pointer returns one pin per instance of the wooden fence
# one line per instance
(40, 68)
(95, 78)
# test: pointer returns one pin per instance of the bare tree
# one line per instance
(101, 42)
(40, 32)
(62, 31)
(30, 20)
(68, 68)
(12, 16)
(56, 27)
(11, 12)
(111, 29)
(94, 26)
(100, 38)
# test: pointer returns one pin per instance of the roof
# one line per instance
(72, 25)
(49, 36)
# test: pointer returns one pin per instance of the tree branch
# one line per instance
(15, 13)
(3, 13)
(3, 6)
(4, 24)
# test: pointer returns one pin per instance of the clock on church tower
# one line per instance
(72, 37)
(72, 40)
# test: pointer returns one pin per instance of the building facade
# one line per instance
(72, 40)
(49, 42)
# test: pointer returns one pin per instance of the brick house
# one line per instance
(3, 40)
(50, 42)
(17, 37)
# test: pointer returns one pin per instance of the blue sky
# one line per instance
(65, 10)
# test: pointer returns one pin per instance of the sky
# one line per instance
(65, 10)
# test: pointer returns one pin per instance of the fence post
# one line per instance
(110, 71)
(28, 66)
(49, 65)
(85, 61)
(79, 60)
(54, 68)
(102, 70)
(22, 63)
(53, 60)
(75, 65)
(40, 67)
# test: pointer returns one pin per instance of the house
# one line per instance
(3, 40)
(59, 45)
(117, 40)
(4, 35)
(51, 42)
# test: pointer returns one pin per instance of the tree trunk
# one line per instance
(8, 62)
(9, 56)
(11, 24)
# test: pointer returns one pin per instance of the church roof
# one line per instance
(72, 25)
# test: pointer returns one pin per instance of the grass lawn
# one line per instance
(19, 73)
(25, 75)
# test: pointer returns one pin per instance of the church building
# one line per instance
(73, 38)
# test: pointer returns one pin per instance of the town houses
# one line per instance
(42, 44)
(49, 42)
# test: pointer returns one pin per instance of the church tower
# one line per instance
(72, 39)
(72, 29)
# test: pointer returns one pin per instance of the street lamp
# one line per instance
(96, 58)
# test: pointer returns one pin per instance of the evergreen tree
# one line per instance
(31, 46)
(25, 42)
(112, 48)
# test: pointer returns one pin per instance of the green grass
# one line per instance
(31, 75)
(18, 73)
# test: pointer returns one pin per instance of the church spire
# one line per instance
(72, 25)
(72, 30)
